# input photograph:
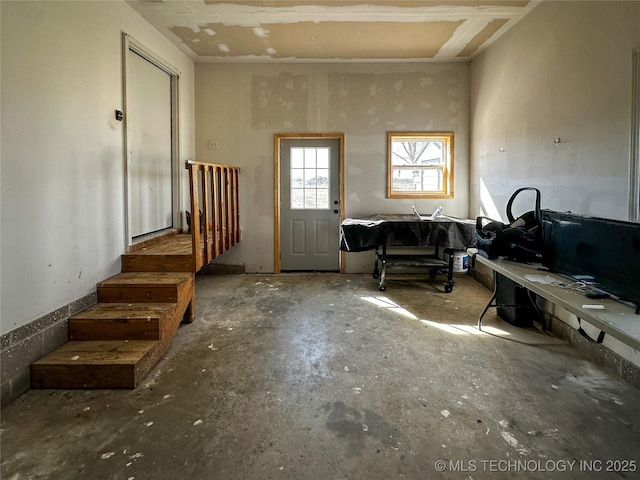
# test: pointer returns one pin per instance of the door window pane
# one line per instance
(297, 178)
(309, 178)
(297, 158)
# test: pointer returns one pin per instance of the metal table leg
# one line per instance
(382, 286)
(490, 303)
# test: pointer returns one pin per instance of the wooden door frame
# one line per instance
(130, 43)
(276, 173)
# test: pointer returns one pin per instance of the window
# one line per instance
(420, 165)
(309, 178)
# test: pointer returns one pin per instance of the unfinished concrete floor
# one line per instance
(321, 376)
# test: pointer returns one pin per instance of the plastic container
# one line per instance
(460, 261)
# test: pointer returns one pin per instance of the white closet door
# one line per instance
(149, 140)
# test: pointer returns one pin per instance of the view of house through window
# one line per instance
(420, 165)
(309, 178)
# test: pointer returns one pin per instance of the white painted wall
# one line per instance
(244, 105)
(564, 71)
(62, 150)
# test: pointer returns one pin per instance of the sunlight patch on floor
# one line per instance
(453, 329)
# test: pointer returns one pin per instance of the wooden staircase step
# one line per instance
(145, 287)
(123, 321)
(99, 364)
(172, 254)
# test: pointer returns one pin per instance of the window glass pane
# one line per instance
(309, 198)
(411, 152)
(309, 158)
(323, 157)
(403, 180)
(309, 178)
(418, 179)
(297, 158)
(432, 179)
(297, 198)
(323, 198)
(323, 178)
(297, 178)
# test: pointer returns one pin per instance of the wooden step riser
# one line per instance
(133, 294)
(74, 377)
(145, 287)
(122, 321)
(93, 329)
(158, 328)
(158, 263)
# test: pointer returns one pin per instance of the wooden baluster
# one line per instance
(214, 223)
(227, 213)
(223, 209)
(206, 195)
(219, 239)
(233, 207)
(237, 205)
(195, 221)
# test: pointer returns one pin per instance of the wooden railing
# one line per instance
(215, 216)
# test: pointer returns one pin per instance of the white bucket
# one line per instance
(460, 261)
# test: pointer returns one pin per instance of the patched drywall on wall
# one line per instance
(359, 102)
(551, 108)
(279, 102)
(244, 105)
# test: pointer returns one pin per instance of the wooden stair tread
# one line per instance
(169, 254)
(175, 245)
(123, 352)
(126, 311)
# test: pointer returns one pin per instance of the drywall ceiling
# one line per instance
(332, 30)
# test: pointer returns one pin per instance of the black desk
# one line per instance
(377, 232)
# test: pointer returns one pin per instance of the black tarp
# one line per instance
(367, 233)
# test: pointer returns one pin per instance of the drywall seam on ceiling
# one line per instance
(482, 37)
(477, 22)
(460, 37)
(253, 17)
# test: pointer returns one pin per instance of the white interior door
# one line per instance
(310, 204)
(149, 135)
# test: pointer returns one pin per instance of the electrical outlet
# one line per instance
(213, 144)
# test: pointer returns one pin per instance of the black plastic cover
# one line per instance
(367, 233)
